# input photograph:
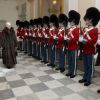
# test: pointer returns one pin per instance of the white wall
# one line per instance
(98, 6)
(35, 8)
(82, 7)
(8, 11)
(66, 7)
(73, 5)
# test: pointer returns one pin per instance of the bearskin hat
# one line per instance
(46, 20)
(93, 14)
(31, 22)
(26, 24)
(74, 16)
(63, 19)
(35, 22)
(21, 24)
(17, 22)
(40, 21)
(54, 20)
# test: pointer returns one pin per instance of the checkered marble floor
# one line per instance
(32, 80)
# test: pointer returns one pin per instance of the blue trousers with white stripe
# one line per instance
(42, 52)
(72, 56)
(61, 58)
(88, 67)
(20, 43)
(52, 54)
(45, 53)
(30, 47)
(34, 50)
(38, 51)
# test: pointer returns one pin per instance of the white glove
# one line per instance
(46, 36)
(98, 42)
(26, 33)
(39, 35)
(63, 49)
(80, 39)
(29, 34)
(33, 35)
(65, 37)
(54, 37)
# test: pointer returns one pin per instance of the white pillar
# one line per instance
(98, 6)
(72, 5)
(35, 8)
(66, 7)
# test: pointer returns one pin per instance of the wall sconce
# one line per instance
(54, 2)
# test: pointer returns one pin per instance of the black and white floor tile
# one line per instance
(32, 80)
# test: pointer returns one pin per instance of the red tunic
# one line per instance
(60, 35)
(36, 34)
(51, 34)
(18, 31)
(42, 36)
(91, 37)
(73, 35)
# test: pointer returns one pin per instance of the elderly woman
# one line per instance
(9, 46)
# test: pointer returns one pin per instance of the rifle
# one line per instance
(80, 45)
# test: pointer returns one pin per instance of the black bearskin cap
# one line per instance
(17, 22)
(74, 16)
(45, 20)
(63, 19)
(54, 20)
(93, 14)
(21, 24)
(40, 21)
(35, 22)
(26, 24)
(31, 22)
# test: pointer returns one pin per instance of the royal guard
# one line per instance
(40, 47)
(98, 57)
(53, 20)
(46, 26)
(30, 37)
(22, 36)
(35, 40)
(18, 32)
(26, 36)
(98, 50)
(89, 39)
(72, 37)
(63, 21)
(18, 27)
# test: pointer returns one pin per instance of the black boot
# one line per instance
(9, 67)
(57, 68)
(68, 74)
(87, 83)
(52, 65)
(98, 91)
(82, 81)
(72, 76)
(49, 64)
(62, 70)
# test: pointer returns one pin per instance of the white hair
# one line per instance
(8, 25)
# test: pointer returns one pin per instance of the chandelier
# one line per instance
(54, 2)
